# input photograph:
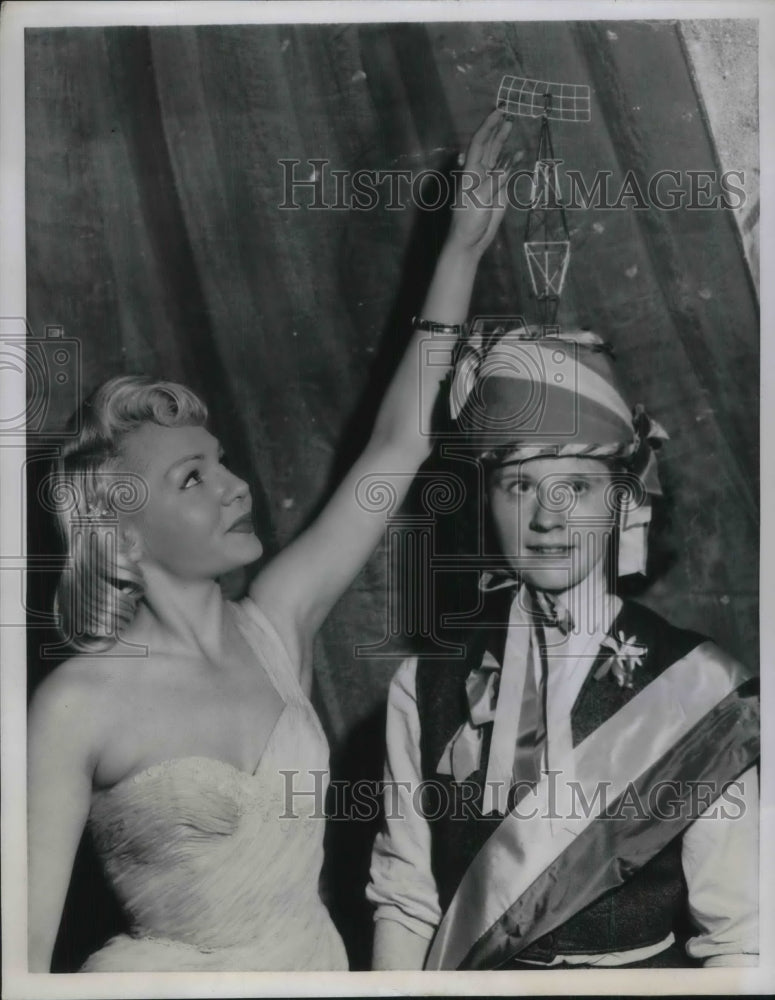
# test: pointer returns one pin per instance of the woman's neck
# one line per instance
(180, 617)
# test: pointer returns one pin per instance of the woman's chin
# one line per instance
(247, 547)
(250, 551)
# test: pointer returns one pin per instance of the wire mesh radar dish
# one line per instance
(567, 102)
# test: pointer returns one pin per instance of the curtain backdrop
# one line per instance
(156, 238)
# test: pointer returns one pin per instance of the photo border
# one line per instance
(20, 984)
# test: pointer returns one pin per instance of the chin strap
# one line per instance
(633, 540)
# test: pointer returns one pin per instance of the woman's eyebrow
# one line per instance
(182, 461)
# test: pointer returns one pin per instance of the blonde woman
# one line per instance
(173, 758)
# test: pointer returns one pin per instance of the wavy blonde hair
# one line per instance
(100, 587)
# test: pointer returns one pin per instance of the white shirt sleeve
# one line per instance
(720, 856)
(402, 886)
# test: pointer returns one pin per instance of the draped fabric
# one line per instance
(155, 237)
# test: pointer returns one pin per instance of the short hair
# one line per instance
(98, 592)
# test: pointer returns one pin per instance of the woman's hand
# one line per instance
(480, 199)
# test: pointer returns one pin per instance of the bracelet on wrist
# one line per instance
(429, 326)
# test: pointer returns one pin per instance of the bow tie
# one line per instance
(552, 612)
(548, 610)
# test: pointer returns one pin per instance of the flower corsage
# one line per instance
(626, 656)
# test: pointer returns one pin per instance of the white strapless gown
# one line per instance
(216, 868)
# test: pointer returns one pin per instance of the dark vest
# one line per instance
(652, 902)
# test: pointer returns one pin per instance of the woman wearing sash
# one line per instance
(169, 731)
(580, 788)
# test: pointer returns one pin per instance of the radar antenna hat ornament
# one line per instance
(547, 237)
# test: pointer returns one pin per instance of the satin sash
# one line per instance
(697, 721)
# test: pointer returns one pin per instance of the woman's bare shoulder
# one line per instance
(82, 692)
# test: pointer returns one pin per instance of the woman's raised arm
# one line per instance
(299, 587)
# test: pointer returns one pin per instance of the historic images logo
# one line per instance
(315, 184)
